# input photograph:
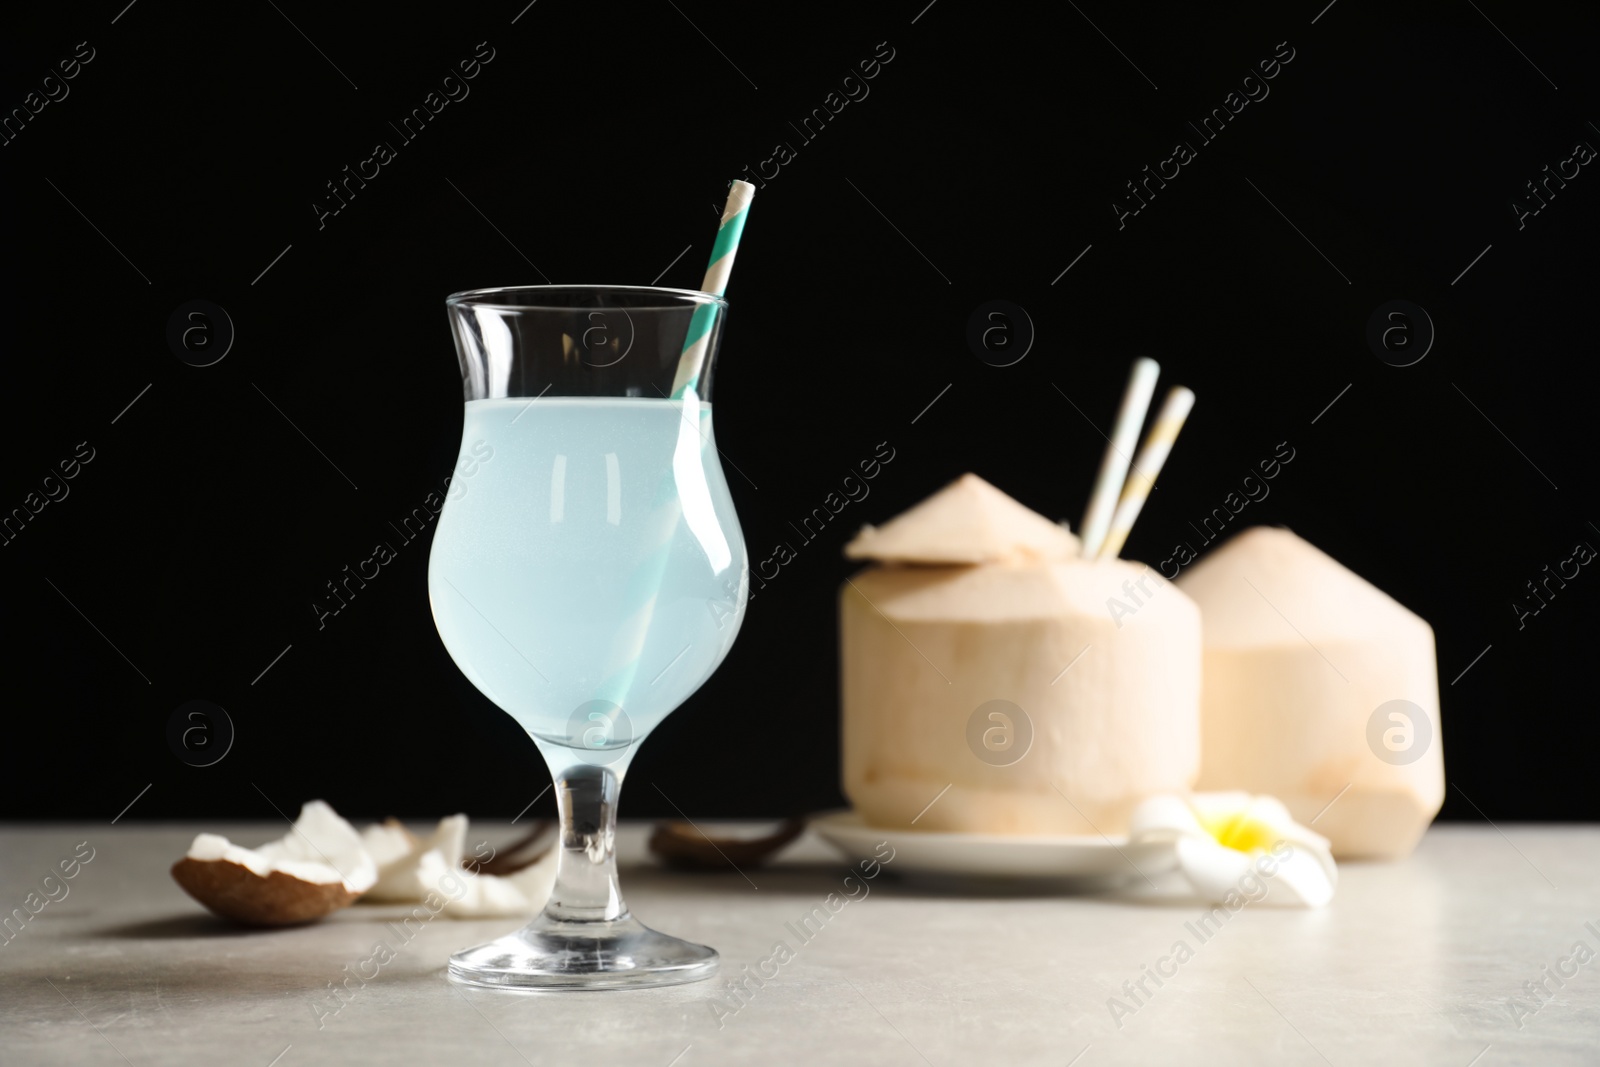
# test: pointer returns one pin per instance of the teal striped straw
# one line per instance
(644, 584)
(718, 269)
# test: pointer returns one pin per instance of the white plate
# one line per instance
(996, 856)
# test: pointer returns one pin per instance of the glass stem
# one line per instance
(586, 870)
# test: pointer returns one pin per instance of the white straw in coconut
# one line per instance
(1146, 467)
(1114, 465)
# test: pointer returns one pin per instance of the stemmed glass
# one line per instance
(587, 575)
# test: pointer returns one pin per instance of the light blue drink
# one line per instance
(588, 571)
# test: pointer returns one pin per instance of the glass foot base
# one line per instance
(549, 954)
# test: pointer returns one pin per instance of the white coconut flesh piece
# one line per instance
(968, 521)
(387, 842)
(317, 868)
(433, 867)
(397, 851)
(469, 895)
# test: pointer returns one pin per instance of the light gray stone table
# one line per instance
(1418, 962)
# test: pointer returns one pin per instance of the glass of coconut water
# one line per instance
(587, 575)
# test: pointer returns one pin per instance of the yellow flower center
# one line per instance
(1239, 831)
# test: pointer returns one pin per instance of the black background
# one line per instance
(597, 144)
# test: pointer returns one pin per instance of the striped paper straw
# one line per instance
(723, 250)
(1114, 465)
(644, 584)
(1152, 455)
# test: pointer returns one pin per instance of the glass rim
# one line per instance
(484, 298)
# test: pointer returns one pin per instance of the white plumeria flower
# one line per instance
(1235, 848)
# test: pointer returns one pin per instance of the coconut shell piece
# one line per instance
(235, 892)
(517, 856)
(315, 869)
(682, 846)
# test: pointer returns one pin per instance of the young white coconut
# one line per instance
(993, 681)
(1320, 689)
